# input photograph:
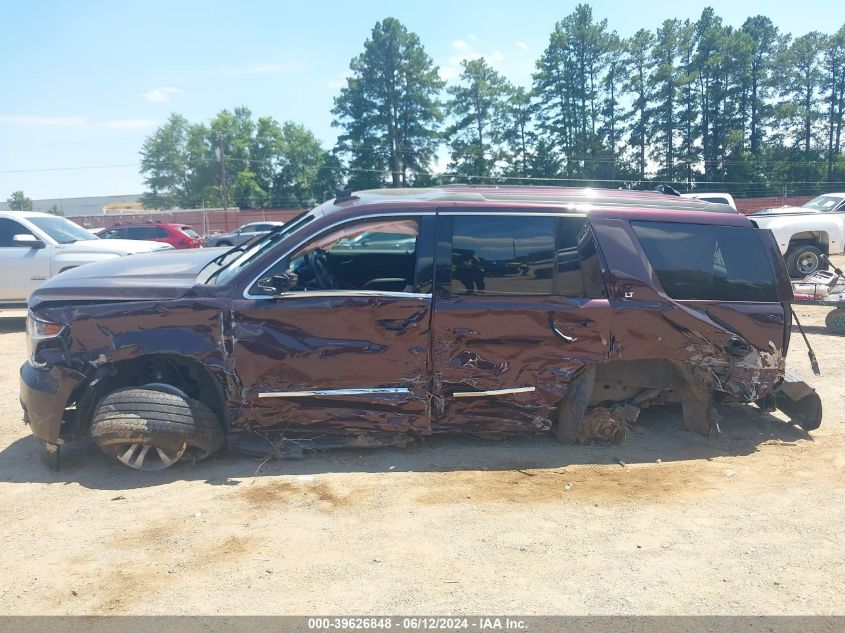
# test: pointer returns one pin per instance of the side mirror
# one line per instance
(279, 284)
(28, 240)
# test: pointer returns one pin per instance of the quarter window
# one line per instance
(708, 262)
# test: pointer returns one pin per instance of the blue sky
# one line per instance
(84, 82)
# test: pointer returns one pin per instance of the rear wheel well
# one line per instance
(186, 374)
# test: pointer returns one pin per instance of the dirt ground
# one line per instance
(747, 522)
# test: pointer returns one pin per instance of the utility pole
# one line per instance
(223, 171)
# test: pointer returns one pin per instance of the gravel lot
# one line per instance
(749, 522)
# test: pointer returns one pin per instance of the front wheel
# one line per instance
(804, 260)
(152, 429)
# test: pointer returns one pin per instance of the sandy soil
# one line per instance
(748, 522)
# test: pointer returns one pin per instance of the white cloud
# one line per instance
(129, 124)
(43, 121)
(522, 45)
(451, 69)
(260, 69)
(160, 95)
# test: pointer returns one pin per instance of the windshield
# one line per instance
(62, 230)
(223, 268)
(825, 203)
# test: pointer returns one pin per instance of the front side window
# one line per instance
(708, 262)
(371, 255)
(8, 230)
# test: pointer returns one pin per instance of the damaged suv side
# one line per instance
(383, 316)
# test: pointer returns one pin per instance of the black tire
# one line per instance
(804, 260)
(835, 321)
(174, 426)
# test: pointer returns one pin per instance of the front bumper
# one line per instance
(44, 396)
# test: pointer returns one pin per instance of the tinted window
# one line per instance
(141, 232)
(507, 255)
(111, 234)
(160, 232)
(579, 272)
(698, 261)
(8, 230)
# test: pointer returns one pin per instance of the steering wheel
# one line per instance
(318, 266)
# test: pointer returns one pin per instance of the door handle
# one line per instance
(562, 336)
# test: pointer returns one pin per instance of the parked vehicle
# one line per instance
(805, 233)
(516, 310)
(716, 198)
(177, 235)
(37, 246)
(244, 234)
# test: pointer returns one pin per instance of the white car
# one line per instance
(718, 198)
(37, 246)
(805, 233)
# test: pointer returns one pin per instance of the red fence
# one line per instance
(207, 221)
(204, 221)
(750, 205)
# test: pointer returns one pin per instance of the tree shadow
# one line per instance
(658, 435)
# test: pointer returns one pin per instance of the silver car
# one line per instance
(243, 234)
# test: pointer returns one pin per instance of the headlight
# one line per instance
(37, 332)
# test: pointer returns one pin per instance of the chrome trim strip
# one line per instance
(495, 392)
(332, 392)
(347, 293)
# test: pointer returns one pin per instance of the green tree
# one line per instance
(390, 109)
(518, 133)
(834, 87)
(638, 53)
(664, 88)
(568, 82)
(477, 107)
(164, 163)
(802, 79)
(19, 202)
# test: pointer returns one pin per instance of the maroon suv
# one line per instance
(385, 315)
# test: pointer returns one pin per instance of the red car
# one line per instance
(177, 235)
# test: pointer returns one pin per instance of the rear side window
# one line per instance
(503, 255)
(579, 272)
(708, 262)
(141, 232)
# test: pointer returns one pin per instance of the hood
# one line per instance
(784, 211)
(116, 247)
(164, 275)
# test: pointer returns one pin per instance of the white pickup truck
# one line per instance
(36, 246)
(805, 233)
